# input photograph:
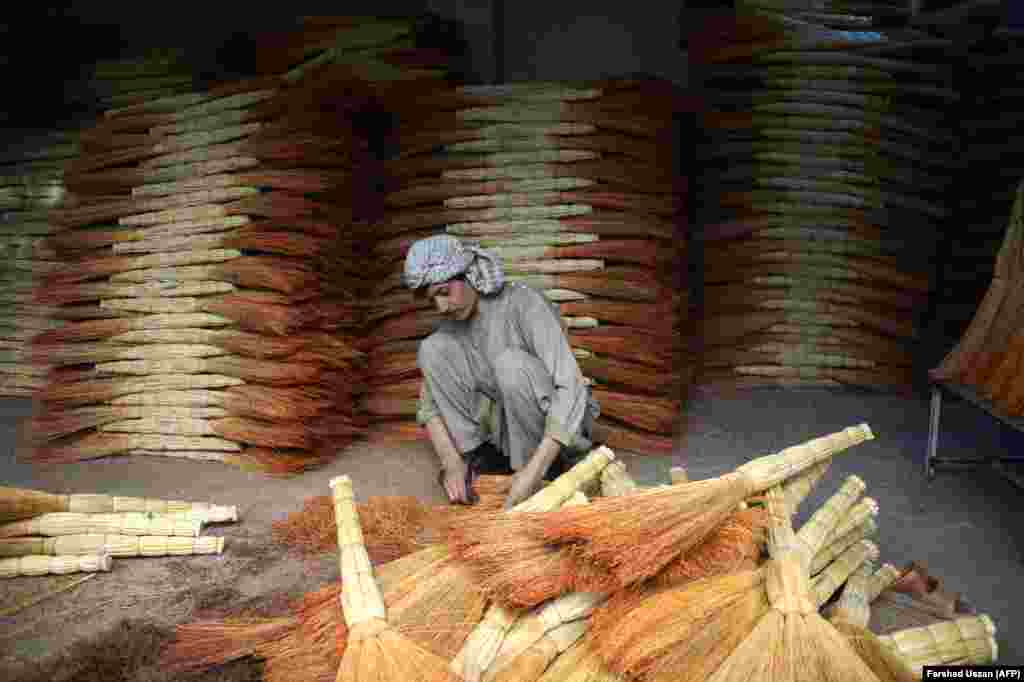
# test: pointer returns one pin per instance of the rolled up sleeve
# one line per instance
(426, 409)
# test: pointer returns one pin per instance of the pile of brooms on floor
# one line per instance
(44, 533)
(594, 579)
(826, 162)
(210, 246)
(574, 185)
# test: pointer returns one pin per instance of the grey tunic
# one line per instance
(508, 375)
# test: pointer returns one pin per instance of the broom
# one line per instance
(733, 548)
(850, 617)
(53, 565)
(963, 641)
(664, 626)
(54, 524)
(791, 641)
(114, 545)
(442, 590)
(274, 318)
(255, 272)
(633, 538)
(21, 503)
(374, 650)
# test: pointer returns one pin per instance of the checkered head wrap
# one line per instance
(438, 259)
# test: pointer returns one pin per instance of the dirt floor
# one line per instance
(111, 627)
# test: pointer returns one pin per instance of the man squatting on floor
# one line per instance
(502, 391)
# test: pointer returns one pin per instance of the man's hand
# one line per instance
(455, 481)
(524, 484)
(527, 481)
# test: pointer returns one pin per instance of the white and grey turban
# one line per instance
(438, 259)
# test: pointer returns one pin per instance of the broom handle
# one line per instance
(119, 523)
(131, 545)
(616, 481)
(829, 580)
(853, 606)
(361, 598)
(798, 488)
(54, 565)
(944, 641)
(881, 580)
(765, 472)
(866, 509)
(813, 534)
(840, 544)
(21, 547)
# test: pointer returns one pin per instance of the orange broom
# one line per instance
(633, 538)
(262, 312)
(288, 276)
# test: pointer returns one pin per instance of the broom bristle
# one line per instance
(206, 643)
(80, 332)
(267, 272)
(636, 536)
(685, 630)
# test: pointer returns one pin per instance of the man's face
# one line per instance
(454, 299)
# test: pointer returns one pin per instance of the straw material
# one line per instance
(120, 523)
(814, 534)
(797, 489)
(963, 641)
(96, 445)
(99, 390)
(841, 544)
(825, 584)
(53, 565)
(850, 617)
(635, 537)
(127, 545)
(24, 503)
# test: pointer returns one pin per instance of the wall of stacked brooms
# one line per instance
(222, 275)
(214, 274)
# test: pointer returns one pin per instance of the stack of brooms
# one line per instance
(989, 357)
(215, 233)
(31, 183)
(575, 187)
(826, 160)
(43, 533)
(112, 84)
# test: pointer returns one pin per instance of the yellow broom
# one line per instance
(22, 503)
(964, 641)
(792, 641)
(375, 651)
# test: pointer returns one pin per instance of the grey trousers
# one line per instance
(505, 401)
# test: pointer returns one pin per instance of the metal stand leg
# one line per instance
(933, 433)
